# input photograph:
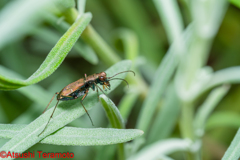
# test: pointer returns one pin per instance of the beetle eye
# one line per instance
(101, 78)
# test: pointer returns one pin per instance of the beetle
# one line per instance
(81, 88)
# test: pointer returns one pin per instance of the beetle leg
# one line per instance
(49, 118)
(98, 95)
(100, 89)
(86, 93)
(93, 87)
(50, 101)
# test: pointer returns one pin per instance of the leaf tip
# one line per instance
(141, 132)
(88, 14)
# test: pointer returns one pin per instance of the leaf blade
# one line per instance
(78, 136)
(233, 150)
(167, 117)
(66, 112)
(55, 57)
(161, 148)
(112, 112)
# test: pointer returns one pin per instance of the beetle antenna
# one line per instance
(120, 73)
(120, 79)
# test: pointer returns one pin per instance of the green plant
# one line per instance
(179, 91)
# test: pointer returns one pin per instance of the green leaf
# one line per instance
(207, 107)
(115, 119)
(66, 112)
(81, 6)
(224, 76)
(16, 20)
(82, 48)
(162, 78)
(171, 17)
(165, 158)
(158, 86)
(3, 117)
(102, 49)
(235, 2)
(63, 5)
(135, 16)
(86, 52)
(232, 152)
(208, 16)
(130, 43)
(53, 60)
(223, 119)
(39, 96)
(90, 137)
(112, 112)
(161, 148)
(166, 118)
(77, 136)
(127, 103)
(10, 130)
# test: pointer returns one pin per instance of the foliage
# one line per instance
(184, 99)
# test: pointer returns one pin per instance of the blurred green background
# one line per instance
(133, 30)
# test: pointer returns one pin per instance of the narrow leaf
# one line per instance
(53, 60)
(171, 17)
(208, 16)
(66, 112)
(81, 6)
(82, 48)
(130, 43)
(39, 96)
(161, 148)
(235, 2)
(16, 20)
(90, 137)
(232, 152)
(112, 112)
(115, 119)
(63, 5)
(161, 79)
(224, 76)
(207, 107)
(223, 119)
(77, 136)
(127, 103)
(167, 117)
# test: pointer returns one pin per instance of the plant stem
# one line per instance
(115, 119)
(186, 121)
(104, 51)
(187, 128)
(90, 36)
(121, 154)
(133, 15)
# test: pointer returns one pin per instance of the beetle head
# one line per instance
(102, 76)
(104, 79)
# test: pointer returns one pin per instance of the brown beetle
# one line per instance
(81, 87)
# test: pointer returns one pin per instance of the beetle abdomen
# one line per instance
(77, 93)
